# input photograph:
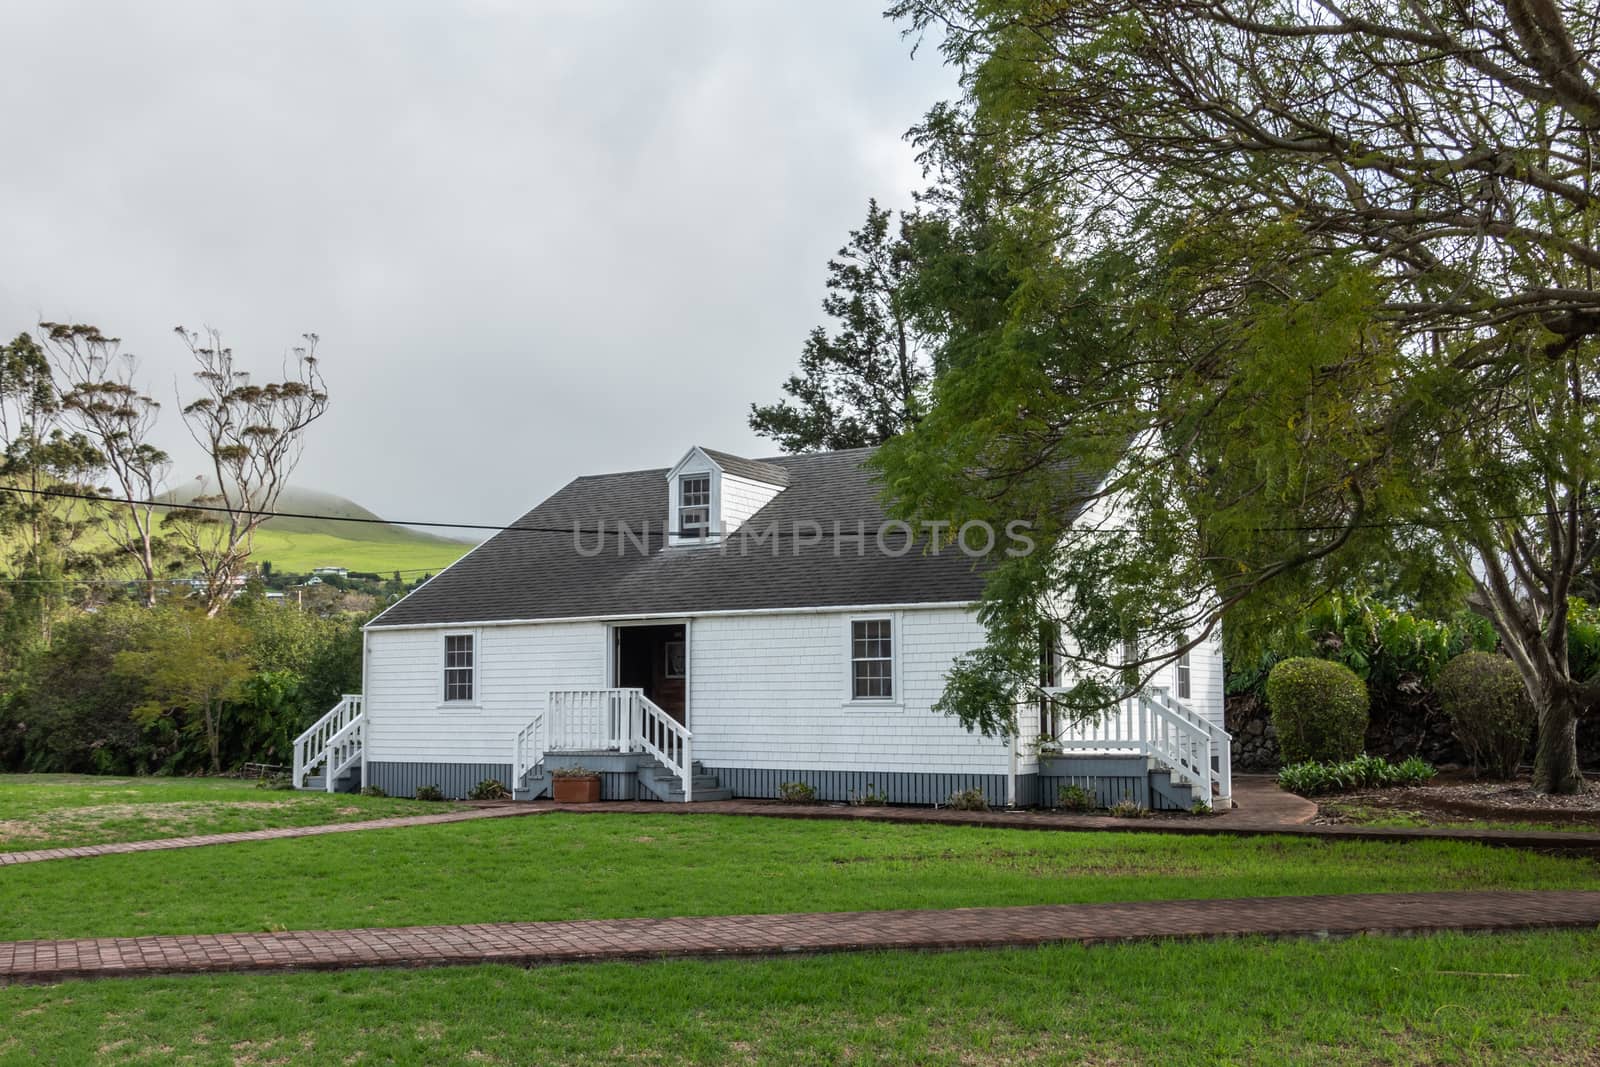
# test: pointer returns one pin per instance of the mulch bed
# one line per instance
(1469, 800)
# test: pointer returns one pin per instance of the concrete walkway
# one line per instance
(527, 944)
(118, 848)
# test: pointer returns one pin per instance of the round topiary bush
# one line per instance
(1319, 709)
(1489, 710)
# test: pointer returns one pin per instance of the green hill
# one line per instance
(299, 544)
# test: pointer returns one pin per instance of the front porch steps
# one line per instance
(658, 783)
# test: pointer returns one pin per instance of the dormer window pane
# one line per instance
(694, 505)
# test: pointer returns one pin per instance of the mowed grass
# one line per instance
(570, 866)
(1532, 998)
(50, 810)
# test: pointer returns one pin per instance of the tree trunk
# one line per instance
(213, 739)
(1555, 759)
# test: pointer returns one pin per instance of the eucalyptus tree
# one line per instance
(99, 394)
(253, 435)
(1315, 281)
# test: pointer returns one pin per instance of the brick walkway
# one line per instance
(526, 944)
(8, 859)
(1263, 808)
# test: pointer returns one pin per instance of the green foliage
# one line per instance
(1319, 708)
(862, 384)
(869, 797)
(373, 791)
(1074, 798)
(1489, 710)
(1200, 807)
(188, 666)
(967, 800)
(429, 792)
(488, 789)
(573, 772)
(276, 783)
(68, 707)
(796, 793)
(1127, 808)
(1314, 778)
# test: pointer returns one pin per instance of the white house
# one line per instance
(715, 629)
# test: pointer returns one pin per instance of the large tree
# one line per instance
(39, 458)
(254, 435)
(1315, 281)
(99, 395)
(862, 383)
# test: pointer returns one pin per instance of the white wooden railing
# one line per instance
(334, 743)
(605, 720)
(531, 746)
(1153, 723)
(586, 720)
(669, 741)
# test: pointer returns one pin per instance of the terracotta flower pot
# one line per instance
(576, 790)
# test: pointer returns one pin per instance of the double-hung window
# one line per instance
(872, 659)
(460, 669)
(1180, 676)
(694, 505)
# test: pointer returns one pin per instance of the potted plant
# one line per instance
(574, 785)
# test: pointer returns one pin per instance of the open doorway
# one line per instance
(655, 659)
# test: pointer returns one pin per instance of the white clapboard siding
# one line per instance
(516, 666)
(771, 691)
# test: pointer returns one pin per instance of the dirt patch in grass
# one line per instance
(1464, 802)
(174, 816)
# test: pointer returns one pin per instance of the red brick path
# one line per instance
(770, 935)
(1263, 809)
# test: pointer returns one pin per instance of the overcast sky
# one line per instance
(537, 239)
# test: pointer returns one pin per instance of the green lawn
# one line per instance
(1531, 998)
(566, 866)
(50, 810)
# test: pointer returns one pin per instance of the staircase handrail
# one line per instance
(529, 751)
(1154, 723)
(667, 739)
(310, 748)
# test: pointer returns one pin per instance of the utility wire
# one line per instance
(578, 528)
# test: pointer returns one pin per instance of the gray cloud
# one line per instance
(537, 239)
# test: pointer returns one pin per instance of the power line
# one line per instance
(623, 529)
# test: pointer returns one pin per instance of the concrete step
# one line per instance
(675, 796)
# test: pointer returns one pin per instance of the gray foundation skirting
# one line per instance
(897, 787)
(455, 780)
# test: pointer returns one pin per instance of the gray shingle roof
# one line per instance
(754, 469)
(542, 574)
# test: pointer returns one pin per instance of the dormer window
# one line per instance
(694, 506)
(711, 494)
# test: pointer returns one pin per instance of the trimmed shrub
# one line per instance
(1319, 709)
(1074, 798)
(1489, 710)
(796, 793)
(489, 789)
(968, 800)
(1364, 772)
(373, 791)
(429, 792)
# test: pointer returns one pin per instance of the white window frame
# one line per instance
(476, 701)
(1183, 675)
(710, 526)
(895, 701)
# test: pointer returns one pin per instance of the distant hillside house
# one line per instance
(720, 627)
(335, 572)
